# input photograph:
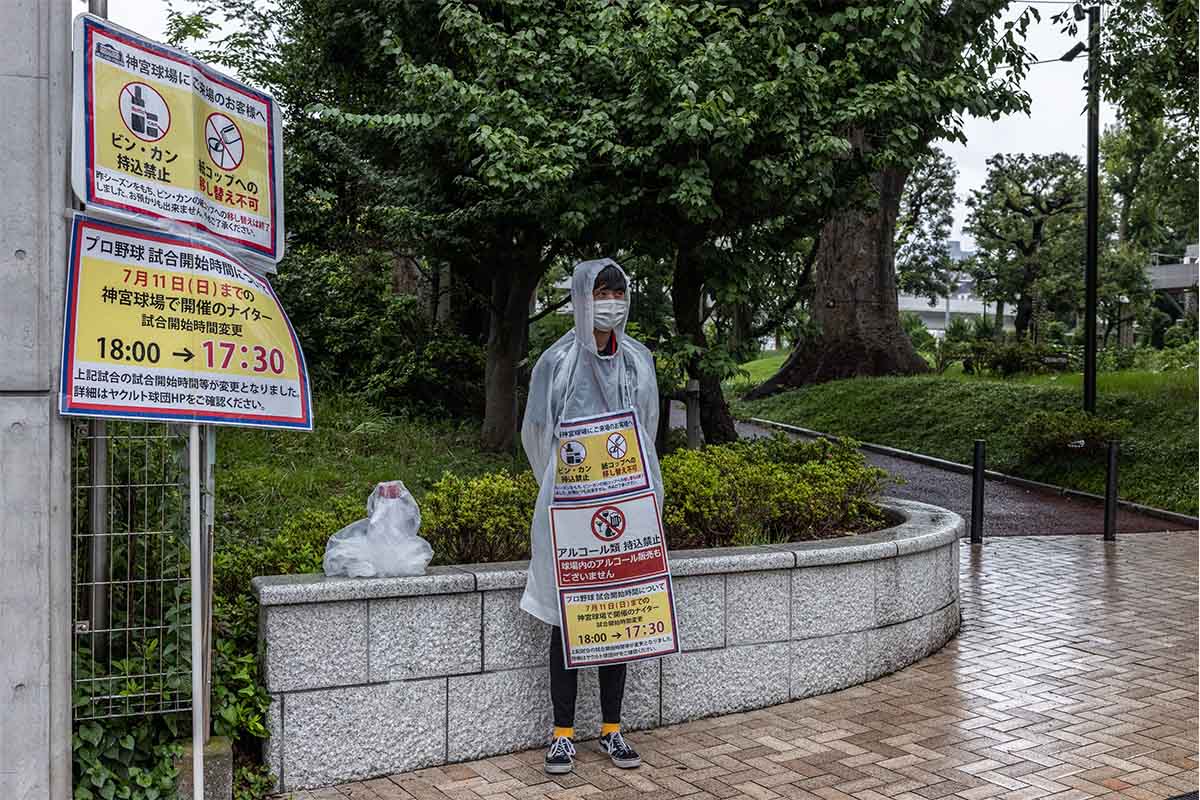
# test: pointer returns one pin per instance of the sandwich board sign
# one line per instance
(161, 138)
(160, 326)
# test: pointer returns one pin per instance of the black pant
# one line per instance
(564, 683)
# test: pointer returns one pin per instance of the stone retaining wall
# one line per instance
(377, 676)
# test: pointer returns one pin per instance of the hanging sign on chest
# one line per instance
(598, 457)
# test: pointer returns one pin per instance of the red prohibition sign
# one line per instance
(617, 446)
(224, 140)
(608, 524)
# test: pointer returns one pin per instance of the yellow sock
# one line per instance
(567, 732)
(609, 727)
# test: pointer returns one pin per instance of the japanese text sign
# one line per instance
(599, 457)
(610, 555)
(614, 585)
(608, 541)
(164, 327)
(160, 135)
(619, 623)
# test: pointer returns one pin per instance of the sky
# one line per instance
(1056, 122)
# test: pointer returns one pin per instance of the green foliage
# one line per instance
(126, 758)
(1179, 358)
(983, 327)
(239, 701)
(923, 225)
(1057, 433)
(947, 414)
(759, 491)
(1178, 335)
(1150, 168)
(767, 491)
(1006, 359)
(918, 334)
(1025, 219)
(960, 330)
(360, 336)
(252, 782)
(480, 519)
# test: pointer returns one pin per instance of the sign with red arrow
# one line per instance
(166, 327)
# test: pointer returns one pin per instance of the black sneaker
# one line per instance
(619, 751)
(560, 758)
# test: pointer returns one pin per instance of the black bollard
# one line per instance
(977, 494)
(1110, 494)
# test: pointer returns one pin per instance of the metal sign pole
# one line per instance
(195, 479)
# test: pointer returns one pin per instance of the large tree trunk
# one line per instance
(854, 300)
(508, 335)
(1024, 315)
(686, 292)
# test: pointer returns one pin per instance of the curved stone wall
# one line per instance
(382, 675)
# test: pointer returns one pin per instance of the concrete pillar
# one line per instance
(35, 511)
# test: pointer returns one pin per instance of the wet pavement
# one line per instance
(1073, 676)
(1009, 510)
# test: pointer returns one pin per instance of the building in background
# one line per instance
(1177, 278)
(962, 302)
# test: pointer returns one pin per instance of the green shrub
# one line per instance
(126, 758)
(481, 519)
(922, 340)
(959, 330)
(983, 328)
(1061, 433)
(769, 490)
(1177, 358)
(1179, 334)
(360, 336)
(759, 491)
(423, 368)
(1010, 358)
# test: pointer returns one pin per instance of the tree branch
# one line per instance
(774, 320)
(550, 309)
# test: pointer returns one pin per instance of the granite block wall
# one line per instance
(377, 676)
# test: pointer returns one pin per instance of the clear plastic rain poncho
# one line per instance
(569, 381)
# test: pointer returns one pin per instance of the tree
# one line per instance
(1027, 206)
(1148, 59)
(476, 136)
(936, 62)
(1150, 171)
(923, 225)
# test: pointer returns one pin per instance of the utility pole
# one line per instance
(1091, 276)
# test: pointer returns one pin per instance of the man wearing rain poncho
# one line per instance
(599, 557)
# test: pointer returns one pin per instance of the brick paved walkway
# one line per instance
(1074, 676)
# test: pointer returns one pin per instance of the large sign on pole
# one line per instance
(165, 327)
(160, 136)
(610, 555)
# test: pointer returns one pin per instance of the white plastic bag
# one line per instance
(383, 545)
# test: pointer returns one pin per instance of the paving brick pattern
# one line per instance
(1074, 676)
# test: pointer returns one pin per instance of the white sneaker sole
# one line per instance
(558, 769)
(626, 763)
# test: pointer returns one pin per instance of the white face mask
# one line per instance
(608, 314)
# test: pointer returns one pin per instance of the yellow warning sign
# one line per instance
(598, 457)
(619, 623)
(159, 134)
(163, 327)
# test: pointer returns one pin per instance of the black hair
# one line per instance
(611, 278)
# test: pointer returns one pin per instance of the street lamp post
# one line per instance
(1091, 276)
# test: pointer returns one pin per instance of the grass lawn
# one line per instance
(758, 370)
(942, 416)
(266, 479)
